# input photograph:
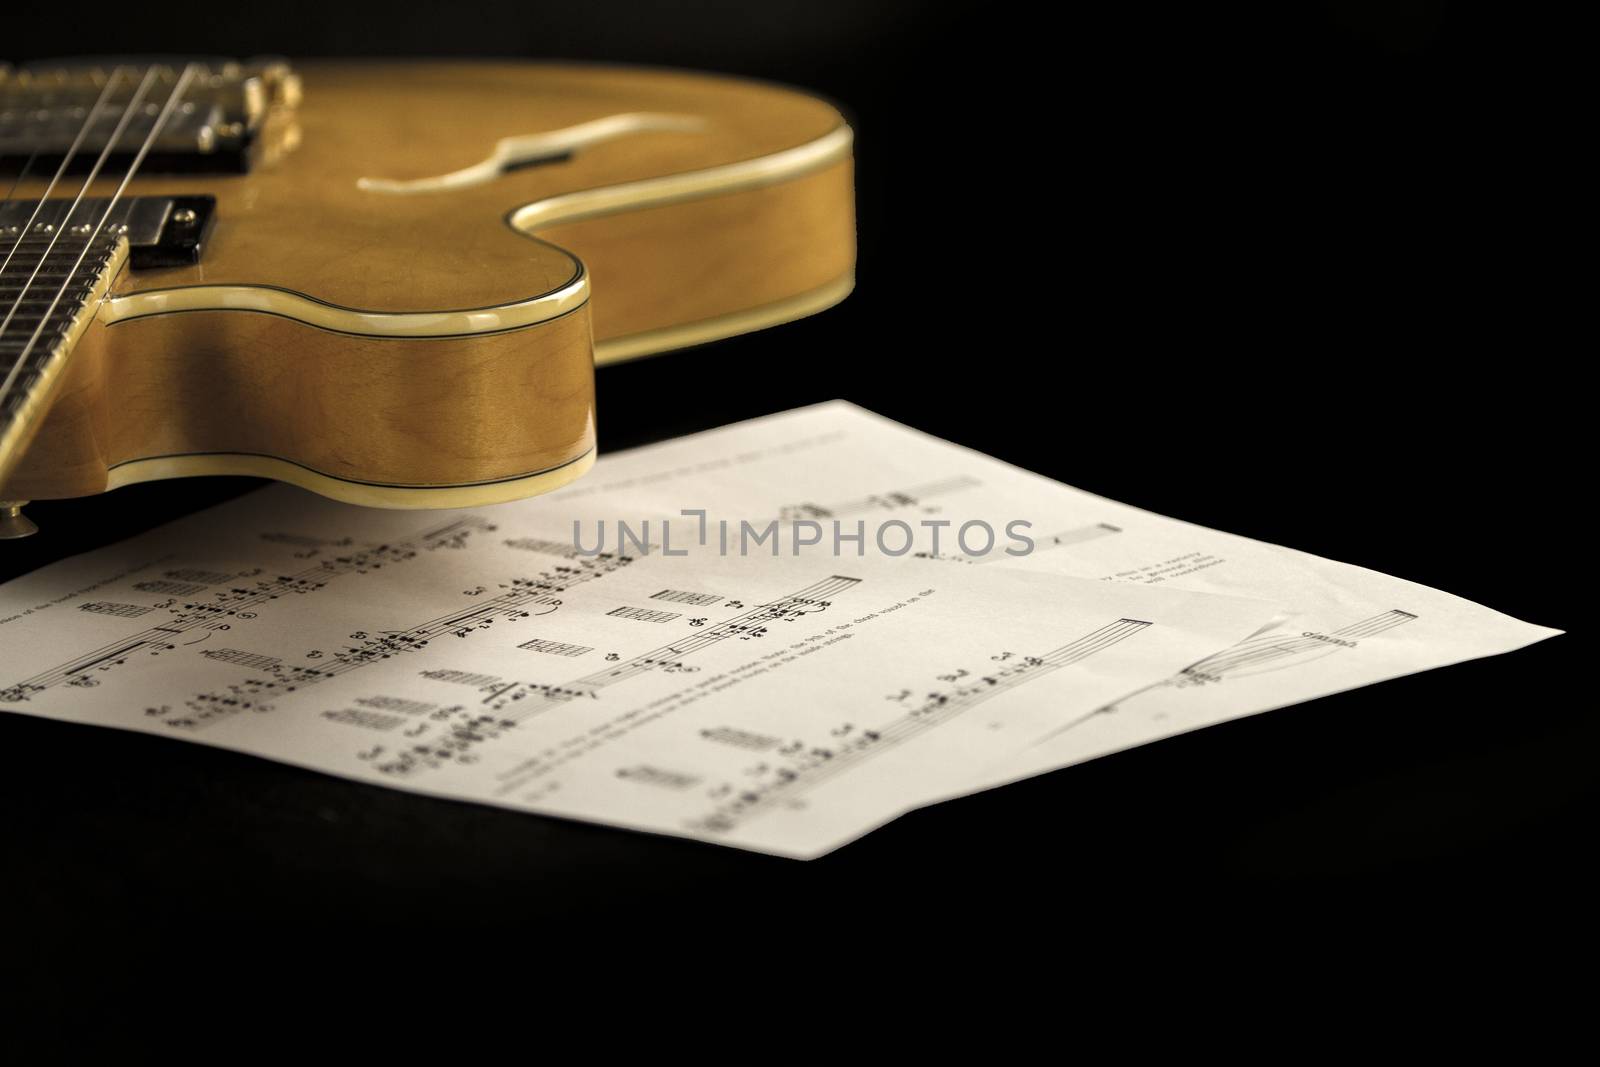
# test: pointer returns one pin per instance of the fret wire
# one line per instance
(133, 168)
(122, 125)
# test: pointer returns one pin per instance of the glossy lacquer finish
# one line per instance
(402, 303)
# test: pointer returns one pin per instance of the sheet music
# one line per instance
(1344, 626)
(783, 703)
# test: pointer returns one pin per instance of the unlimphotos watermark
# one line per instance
(891, 537)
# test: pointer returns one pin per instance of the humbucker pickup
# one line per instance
(162, 231)
(45, 107)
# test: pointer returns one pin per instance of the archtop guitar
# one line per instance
(387, 283)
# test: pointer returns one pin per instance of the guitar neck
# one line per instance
(50, 292)
(60, 257)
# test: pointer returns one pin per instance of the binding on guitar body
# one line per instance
(386, 283)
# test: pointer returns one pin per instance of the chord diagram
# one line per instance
(304, 541)
(643, 614)
(400, 704)
(165, 587)
(461, 678)
(199, 577)
(731, 735)
(365, 718)
(121, 611)
(242, 659)
(644, 774)
(564, 549)
(679, 596)
(555, 648)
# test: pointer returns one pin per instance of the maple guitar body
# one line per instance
(402, 302)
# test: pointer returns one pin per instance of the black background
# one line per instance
(1293, 271)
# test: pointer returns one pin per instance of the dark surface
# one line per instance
(1277, 274)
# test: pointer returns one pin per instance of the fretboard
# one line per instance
(54, 295)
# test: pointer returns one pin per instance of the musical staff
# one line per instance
(1272, 652)
(747, 625)
(237, 604)
(524, 599)
(1252, 656)
(808, 766)
(913, 497)
(787, 708)
(514, 703)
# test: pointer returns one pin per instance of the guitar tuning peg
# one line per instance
(13, 523)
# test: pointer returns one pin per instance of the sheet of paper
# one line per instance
(783, 703)
(1344, 626)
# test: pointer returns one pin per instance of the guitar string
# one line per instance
(94, 172)
(66, 161)
(11, 193)
(27, 166)
(144, 149)
(21, 177)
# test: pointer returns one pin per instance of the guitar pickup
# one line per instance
(162, 231)
(48, 107)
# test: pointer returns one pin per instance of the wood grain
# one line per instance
(459, 410)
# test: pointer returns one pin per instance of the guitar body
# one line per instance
(401, 303)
